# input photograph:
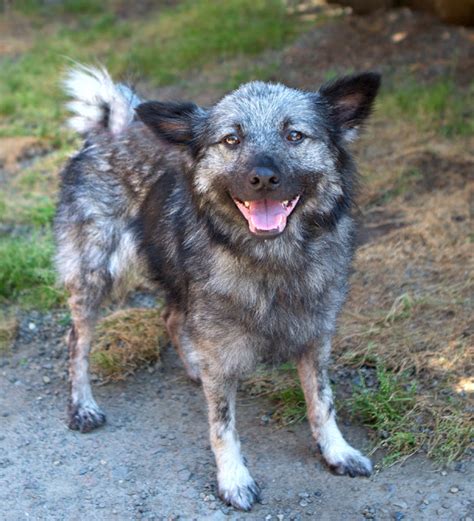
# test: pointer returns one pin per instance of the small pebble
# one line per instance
(398, 516)
(46, 379)
(454, 490)
(401, 504)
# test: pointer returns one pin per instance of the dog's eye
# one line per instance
(295, 136)
(231, 140)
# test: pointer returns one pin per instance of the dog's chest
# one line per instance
(277, 307)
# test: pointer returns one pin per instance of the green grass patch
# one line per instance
(403, 422)
(161, 47)
(291, 405)
(175, 43)
(26, 271)
(64, 7)
(387, 409)
(31, 209)
(281, 386)
(441, 106)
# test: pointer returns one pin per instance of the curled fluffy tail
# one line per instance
(98, 103)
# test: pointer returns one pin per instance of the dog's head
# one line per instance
(266, 154)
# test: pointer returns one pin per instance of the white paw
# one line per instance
(347, 461)
(237, 488)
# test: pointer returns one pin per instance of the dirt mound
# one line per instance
(393, 42)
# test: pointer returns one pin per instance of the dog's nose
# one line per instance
(263, 178)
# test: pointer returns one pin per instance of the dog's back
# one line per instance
(242, 212)
(104, 184)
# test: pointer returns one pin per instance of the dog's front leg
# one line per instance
(236, 485)
(338, 454)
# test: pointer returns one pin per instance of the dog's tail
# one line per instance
(98, 104)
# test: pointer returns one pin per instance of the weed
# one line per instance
(387, 409)
(404, 424)
(452, 433)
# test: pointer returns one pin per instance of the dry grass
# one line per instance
(410, 311)
(126, 341)
(409, 314)
(8, 329)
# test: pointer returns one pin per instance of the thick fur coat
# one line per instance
(242, 214)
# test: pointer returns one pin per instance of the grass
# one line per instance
(126, 341)
(26, 272)
(387, 409)
(281, 386)
(404, 425)
(8, 328)
(175, 44)
(162, 47)
(402, 421)
(439, 106)
(31, 209)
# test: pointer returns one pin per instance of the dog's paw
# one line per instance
(351, 463)
(241, 492)
(85, 418)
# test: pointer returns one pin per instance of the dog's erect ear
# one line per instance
(350, 100)
(173, 122)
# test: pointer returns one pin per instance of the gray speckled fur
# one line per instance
(135, 207)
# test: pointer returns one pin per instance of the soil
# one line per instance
(152, 460)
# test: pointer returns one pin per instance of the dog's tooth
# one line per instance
(286, 203)
(246, 204)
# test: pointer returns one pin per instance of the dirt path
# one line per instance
(153, 461)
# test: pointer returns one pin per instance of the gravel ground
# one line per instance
(153, 461)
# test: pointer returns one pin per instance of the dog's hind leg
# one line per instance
(83, 412)
(236, 485)
(338, 454)
(174, 320)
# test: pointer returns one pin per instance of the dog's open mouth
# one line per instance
(266, 217)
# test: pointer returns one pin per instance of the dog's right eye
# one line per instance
(232, 140)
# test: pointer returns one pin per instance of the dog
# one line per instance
(242, 213)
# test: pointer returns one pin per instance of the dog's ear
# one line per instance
(350, 100)
(173, 122)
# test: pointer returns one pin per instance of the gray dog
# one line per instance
(241, 214)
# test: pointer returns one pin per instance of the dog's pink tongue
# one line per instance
(266, 215)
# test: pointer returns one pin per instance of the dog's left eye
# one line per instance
(231, 140)
(295, 136)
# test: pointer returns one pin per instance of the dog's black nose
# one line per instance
(263, 178)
